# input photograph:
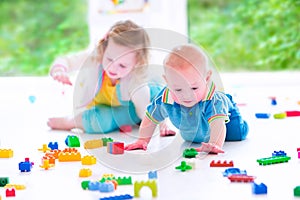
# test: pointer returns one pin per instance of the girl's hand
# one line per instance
(140, 144)
(60, 74)
(209, 148)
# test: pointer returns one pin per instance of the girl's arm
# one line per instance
(141, 99)
(146, 131)
(217, 137)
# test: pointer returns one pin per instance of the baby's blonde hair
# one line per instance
(187, 55)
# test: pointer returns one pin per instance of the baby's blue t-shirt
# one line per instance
(192, 122)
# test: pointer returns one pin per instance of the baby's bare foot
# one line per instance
(61, 123)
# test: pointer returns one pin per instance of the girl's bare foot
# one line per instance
(61, 123)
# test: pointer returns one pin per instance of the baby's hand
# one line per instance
(165, 130)
(209, 148)
(140, 144)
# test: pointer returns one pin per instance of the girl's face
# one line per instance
(187, 86)
(118, 61)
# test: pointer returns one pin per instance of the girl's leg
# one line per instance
(65, 123)
(104, 119)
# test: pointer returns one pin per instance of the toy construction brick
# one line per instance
(4, 181)
(118, 197)
(115, 147)
(262, 115)
(259, 188)
(6, 153)
(44, 148)
(70, 150)
(46, 165)
(292, 113)
(190, 153)
(16, 186)
(25, 166)
(183, 166)
(152, 175)
(10, 192)
(280, 115)
(108, 176)
(106, 187)
(93, 144)
(297, 191)
(69, 157)
(124, 180)
(150, 183)
(273, 160)
(219, 163)
(72, 141)
(53, 145)
(53, 153)
(88, 160)
(241, 178)
(279, 153)
(106, 140)
(85, 172)
(93, 185)
(233, 170)
(85, 185)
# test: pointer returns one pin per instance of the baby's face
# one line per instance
(188, 86)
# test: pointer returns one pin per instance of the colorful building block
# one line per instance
(46, 165)
(219, 163)
(115, 147)
(241, 178)
(69, 157)
(152, 175)
(280, 115)
(85, 185)
(124, 180)
(151, 184)
(6, 153)
(106, 140)
(72, 141)
(259, 188)
(279, 153)
(88, 160)
(85, 172)
(44, 148)
(25, 166)
(53, 145)
(262, 115)
(10, 192)
(70, 150)
(106, 187)
(183, 166)
(4, 181)
(190, 153)
(292, 113)
(16, 186)
(93, 144)
(233, 170)
(273, 160)
(118, 197)
(93, 185)
(297, 191)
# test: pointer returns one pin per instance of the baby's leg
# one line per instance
(65, 123)
(237, 129)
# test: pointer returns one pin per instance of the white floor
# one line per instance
(24, 130)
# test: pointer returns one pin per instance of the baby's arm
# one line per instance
(217, 137)
(146, 131)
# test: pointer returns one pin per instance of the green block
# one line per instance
(4, 181)
(190, 153)
(106, 140)
(73, 141)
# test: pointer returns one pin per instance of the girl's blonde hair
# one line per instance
(127, 33)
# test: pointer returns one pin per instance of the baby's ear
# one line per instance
(208, 75)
